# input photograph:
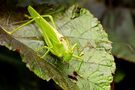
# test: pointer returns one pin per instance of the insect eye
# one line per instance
(61, 38)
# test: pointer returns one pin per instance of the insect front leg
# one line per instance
(78, 57)
(79, 54)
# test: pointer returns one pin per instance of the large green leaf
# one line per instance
(80, 27)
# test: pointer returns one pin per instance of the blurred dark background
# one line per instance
(117, 17)
(15, 76)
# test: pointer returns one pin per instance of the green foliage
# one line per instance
(98, 63)
(119, 76)
(120, 27)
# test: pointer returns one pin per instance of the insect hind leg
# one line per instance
(51, 19)
(14, 30)
(45, 16)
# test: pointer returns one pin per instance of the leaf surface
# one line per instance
(78, 26)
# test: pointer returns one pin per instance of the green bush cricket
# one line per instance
(55, 41)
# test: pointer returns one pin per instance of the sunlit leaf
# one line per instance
(78, 26)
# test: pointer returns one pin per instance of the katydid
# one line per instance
(55, 42)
